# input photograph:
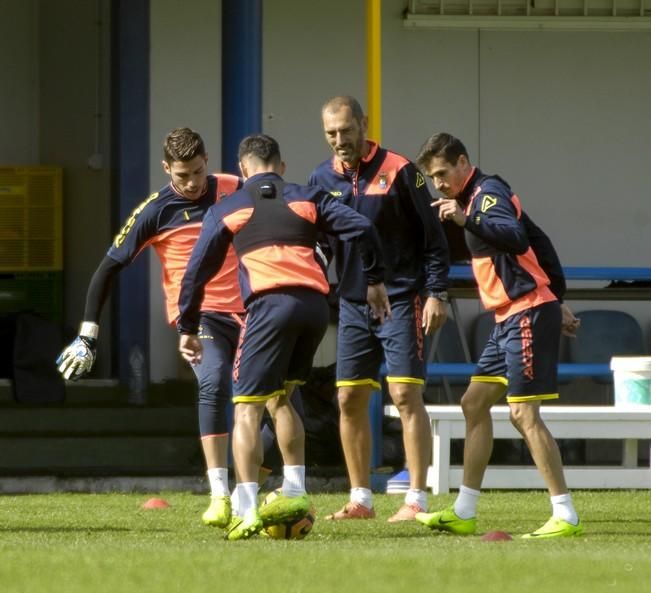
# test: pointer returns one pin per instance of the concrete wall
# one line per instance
(311, 51)
(565, 116)
(19, 65)
(185, 91)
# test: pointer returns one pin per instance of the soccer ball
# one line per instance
(297, 529)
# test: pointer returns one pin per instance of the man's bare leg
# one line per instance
(542, 445)
(290, 434)
(476, 404)
(215, 450)
(416, 430)
(355, 433)
(417, 440)
(247, 448)
(544, 450)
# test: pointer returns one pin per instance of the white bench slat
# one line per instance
(581, 422)
(528, 478)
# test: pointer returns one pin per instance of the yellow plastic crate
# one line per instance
(31, 219)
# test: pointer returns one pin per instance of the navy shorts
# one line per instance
(281, 334)
(363, 343)
(522, 353)
(219, 334)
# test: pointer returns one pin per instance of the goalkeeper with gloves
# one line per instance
(170, 220)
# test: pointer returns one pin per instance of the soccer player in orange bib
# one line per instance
(519, 278)
(273, 226)
(169, 220)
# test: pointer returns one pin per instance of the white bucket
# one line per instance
(632, 379)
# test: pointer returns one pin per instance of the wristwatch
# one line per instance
(441, 295)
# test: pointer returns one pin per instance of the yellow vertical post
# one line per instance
(374, 68)
(374, 112)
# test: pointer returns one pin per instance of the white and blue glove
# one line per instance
(78, 358)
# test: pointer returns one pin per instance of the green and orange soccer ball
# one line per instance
(297, 529)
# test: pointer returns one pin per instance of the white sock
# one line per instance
(418, 497)
(293, 480)
(563, 508)
(362, 496)
(248, 497)
(235, 501)
(218, 478)
(465, 506)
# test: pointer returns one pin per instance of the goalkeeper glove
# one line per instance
(78, 358)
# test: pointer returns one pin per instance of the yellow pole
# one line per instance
(374, 68)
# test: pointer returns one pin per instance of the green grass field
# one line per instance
(74, 543)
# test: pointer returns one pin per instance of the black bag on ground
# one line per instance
(7, 339)
(37, 344)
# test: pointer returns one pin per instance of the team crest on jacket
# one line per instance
(420, 180)
(487, 202)
(382, 180)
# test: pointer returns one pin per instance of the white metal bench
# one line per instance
(574, 422)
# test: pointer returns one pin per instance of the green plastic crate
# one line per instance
(38, 292)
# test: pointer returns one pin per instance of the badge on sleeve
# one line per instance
(487, 202)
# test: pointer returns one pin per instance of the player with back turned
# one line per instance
(273, 226)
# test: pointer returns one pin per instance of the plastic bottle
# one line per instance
(138, 379)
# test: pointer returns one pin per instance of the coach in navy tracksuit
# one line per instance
(388, 189)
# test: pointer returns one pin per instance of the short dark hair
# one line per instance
(183, 144)
(260, 146)
(336, 103)
(441, 145)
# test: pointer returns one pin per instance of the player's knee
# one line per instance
(214, 392)
(276, 404)
(408, 399)
(524, 418)
(249, 414)
(272, 406)
(213, 403)
(351, 403)
(213, 418)
(474, 407)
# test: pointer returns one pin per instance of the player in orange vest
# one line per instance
(520, 278)
(273, 226)
(169, 221)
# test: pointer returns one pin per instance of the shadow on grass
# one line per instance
(77, 530)
(628, 535)
(620, 521)
(385, 535)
